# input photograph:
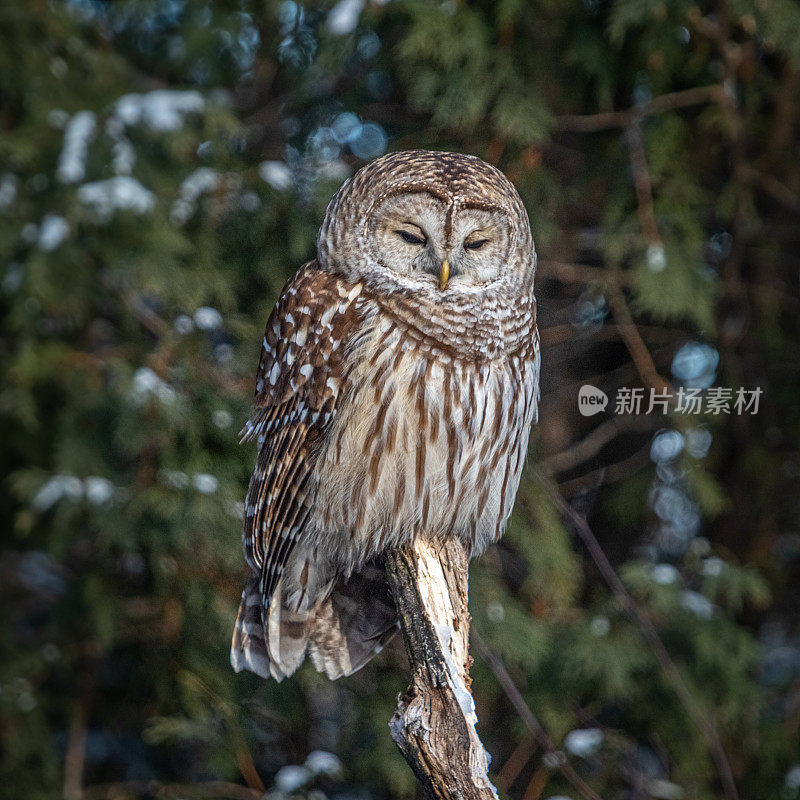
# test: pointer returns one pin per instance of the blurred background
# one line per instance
(164, 167)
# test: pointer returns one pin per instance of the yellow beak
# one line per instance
(444, 275)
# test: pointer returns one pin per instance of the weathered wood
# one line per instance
(434, 724)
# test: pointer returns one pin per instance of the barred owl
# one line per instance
(396, 388)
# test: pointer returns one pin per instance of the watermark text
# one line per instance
(712, 401)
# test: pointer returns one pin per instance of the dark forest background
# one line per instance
(164, 166)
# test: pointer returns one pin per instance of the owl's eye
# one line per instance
(476, 245)
(410, 238)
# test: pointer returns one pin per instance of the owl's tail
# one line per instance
(340, 633)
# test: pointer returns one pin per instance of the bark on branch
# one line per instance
(434, 724)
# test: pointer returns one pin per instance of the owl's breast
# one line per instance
(423, 442)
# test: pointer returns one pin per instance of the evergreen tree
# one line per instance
(164, 166)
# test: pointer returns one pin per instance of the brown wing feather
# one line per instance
(297, 389)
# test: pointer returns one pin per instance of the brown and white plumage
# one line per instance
(388, 405)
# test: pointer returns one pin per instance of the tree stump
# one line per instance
(434, 724)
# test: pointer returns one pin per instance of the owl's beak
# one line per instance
(444, 275)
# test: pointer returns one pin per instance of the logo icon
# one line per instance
(591, 400)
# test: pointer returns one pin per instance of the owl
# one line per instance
(397, 384)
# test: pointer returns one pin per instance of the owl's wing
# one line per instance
(298, 385)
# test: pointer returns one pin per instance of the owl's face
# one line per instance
(441, 226)
(426, 244)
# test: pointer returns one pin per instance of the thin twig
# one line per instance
(647, 219)
(570, 272)
(553, 758)
(146, 316)
(770, 185)
(642, 182)
(704, 723)
(630, 335)
(608, 474)
(75, 757)
(139, 789)
(591, 123)
(536, 785)
(594, 441)
(247, 767)
(515, 763)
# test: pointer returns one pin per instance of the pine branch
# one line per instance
(554, 759)
(704, 723)
(434, 724)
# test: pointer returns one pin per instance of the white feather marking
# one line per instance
(327, 316)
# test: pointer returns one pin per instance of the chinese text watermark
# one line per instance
(713, 401)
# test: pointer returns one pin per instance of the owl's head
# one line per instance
(442, 225)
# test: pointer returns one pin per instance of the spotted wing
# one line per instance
(297, 390)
